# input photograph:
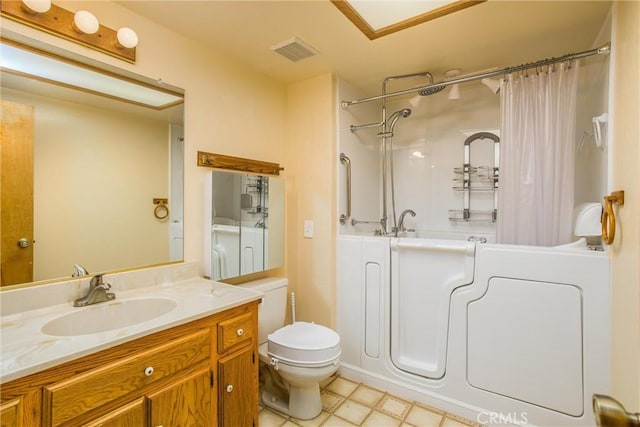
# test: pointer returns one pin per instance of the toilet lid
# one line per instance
(303, 342)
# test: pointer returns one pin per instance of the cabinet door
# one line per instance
(185, 403)
(237, 387)
(132, 414)
(10, 414)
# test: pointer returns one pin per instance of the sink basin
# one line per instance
(108, 316)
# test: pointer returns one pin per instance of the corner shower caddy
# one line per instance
(470, 179)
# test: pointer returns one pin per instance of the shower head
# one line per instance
(393, 118)
(431, 90)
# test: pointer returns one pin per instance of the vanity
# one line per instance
(195, 364)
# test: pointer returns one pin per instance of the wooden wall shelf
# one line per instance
(239, 164)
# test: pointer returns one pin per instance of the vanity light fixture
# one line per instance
(85, 22)
(81, 27)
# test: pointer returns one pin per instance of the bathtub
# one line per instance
(496, 333)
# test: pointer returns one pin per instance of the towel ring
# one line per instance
(609, 216)
(161, 211)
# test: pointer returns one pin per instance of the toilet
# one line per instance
(294, 358)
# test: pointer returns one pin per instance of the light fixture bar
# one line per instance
(70, 74)
(60, 22)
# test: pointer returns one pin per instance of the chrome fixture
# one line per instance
(346, 161)
(80, 271)
(477, 239)
(97, 293)
(387, 146)
(401, 226)
(435, 87)
(610, 413)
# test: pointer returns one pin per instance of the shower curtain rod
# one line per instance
(603, 50)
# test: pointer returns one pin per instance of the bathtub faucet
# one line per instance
(401, 226)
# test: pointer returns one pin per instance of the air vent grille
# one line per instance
(294, 50)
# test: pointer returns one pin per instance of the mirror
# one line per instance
(80, 172)
(244, 224)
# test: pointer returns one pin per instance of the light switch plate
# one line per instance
(308, 229)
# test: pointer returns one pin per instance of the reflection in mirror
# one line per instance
(244, 224)
(85, 169)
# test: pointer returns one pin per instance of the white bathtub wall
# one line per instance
(427, 146)
(430, 143)
(363, 149)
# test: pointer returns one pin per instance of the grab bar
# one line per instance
(355, 222)
(346, 161)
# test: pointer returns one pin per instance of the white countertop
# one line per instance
(25, 349)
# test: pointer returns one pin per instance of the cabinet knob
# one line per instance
(148, 371)
(240, 332)
(229, 388)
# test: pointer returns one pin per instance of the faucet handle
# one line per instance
(96, 280)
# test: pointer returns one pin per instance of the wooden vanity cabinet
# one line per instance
(237, 350)
(177, 377)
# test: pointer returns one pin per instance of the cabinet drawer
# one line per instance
(234, 331)
(91, 389)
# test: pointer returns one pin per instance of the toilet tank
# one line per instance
(272, 309)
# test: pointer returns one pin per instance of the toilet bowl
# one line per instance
(294, 358)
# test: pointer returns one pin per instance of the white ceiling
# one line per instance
(496, 33)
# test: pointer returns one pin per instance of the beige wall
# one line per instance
(626, 176)
(229, 108)
(310, 194)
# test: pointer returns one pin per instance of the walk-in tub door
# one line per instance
(424, 273)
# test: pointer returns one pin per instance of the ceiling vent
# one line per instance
(294, 50)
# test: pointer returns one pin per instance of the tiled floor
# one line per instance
(347, 403)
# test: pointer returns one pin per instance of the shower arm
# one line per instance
(602, 50)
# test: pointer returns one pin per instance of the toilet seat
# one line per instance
(304, 344)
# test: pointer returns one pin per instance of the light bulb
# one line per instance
(85, 22)
(36, 6)
(415, 100)
(454, 93)
(492, 84)
(127, 38)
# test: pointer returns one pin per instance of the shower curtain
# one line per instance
(535, 205)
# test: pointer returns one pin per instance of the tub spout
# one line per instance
(401, 226)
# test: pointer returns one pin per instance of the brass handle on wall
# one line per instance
(609, 216)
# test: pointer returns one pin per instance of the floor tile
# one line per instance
(450, 422)
(334, 421)
(266, 418)
(352, 411)
(315, 422)
(423, 417)
(394, 406)
(378, 419)
(289, 423)
(330, 401)
(366, 395)
(342, 387)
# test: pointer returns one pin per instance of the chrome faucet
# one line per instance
(401, 227)
(97, 293)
